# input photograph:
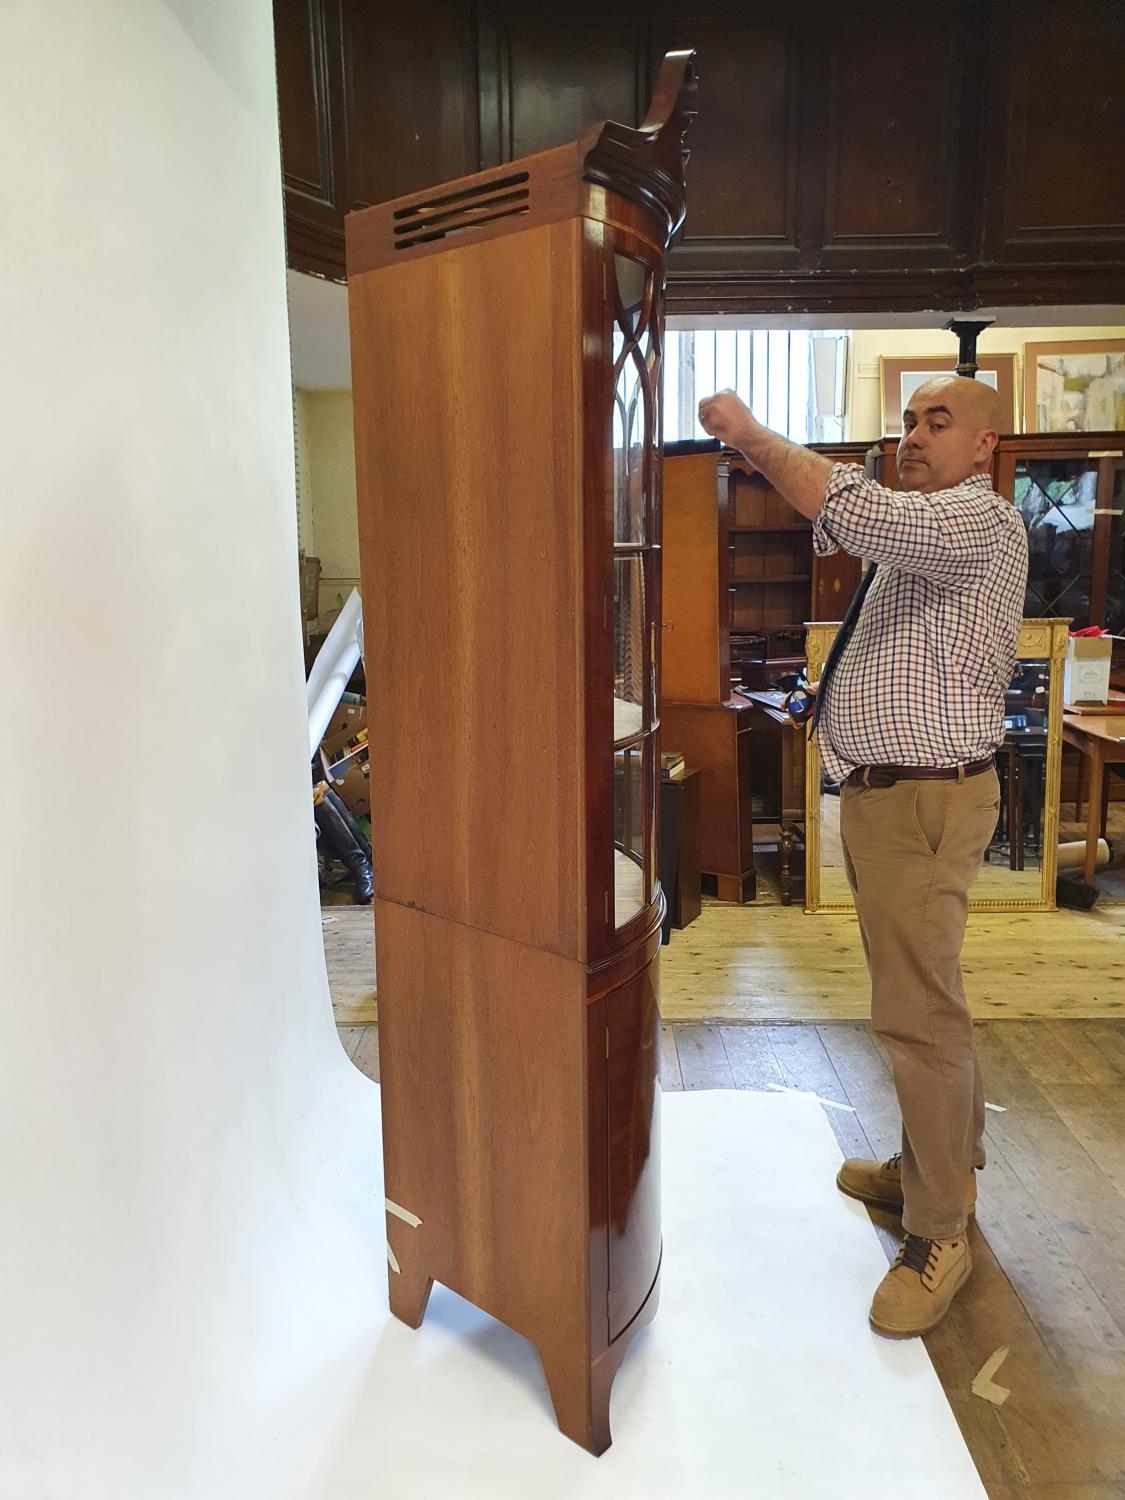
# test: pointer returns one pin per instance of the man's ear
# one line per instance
(986, 444)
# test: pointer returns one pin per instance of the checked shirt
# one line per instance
(922, 680)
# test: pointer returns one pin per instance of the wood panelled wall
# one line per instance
(844, 158)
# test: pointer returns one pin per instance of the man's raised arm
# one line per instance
(800, 476)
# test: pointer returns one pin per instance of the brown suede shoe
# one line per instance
(880, 1183)
(915, 1294)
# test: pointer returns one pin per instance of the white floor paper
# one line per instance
(759, 1377)
(277, 1373)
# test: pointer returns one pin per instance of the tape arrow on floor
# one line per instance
(983, 1384)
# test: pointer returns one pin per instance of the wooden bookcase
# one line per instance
(775, 583)
(740, 581)
(506, 334)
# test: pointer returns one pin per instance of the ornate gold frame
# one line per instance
(1039, 640)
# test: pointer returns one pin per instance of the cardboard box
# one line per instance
(1086, 673)
(344, 725)
(350, 779)
(348, 776)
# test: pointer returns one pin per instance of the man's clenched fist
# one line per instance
(726, 417)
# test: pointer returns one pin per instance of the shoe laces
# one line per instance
(892, 1162)
(917, 1254)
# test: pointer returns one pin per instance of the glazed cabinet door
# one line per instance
(1057, 496)
(634, 318)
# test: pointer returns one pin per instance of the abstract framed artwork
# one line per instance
(900, 378)
(1076, 385)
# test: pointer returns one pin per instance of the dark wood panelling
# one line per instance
(841, 160)
(742, 173)
(544, 79)
(891, 152)
(697, 288)
(370, 108)
(1061, 88)
(302, 89)
(409, 109)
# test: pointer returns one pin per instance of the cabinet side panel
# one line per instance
(483, 1057)
(692, 626)
(468, 428)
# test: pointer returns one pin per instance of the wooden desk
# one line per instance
(1101, 738)
(715, 738)
(779, 762)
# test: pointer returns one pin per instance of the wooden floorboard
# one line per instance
(765, 962)
(753, 1064)
(366, 1055)
(703, 1058)
(349, 956)
(1110, 1490)
(670, 1075)
(350, 1038)
(1081, 1203)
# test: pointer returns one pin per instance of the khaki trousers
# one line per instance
(911, 852)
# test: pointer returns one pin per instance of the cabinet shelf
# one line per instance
(628, 723)
(780, 578)
(739, 632)
(766, 530)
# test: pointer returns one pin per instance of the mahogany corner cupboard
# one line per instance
(506, 334)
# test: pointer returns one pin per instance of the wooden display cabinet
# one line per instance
(1070, 489)
(506, 336)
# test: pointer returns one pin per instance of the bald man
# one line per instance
(909, 714)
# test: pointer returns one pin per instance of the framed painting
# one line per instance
(900, 378)
(1077, 385)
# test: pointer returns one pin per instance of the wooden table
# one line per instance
(778, 749)
(1101, 738)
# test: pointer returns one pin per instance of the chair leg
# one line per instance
(1106, 778)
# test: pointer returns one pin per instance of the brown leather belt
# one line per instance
(885, 776)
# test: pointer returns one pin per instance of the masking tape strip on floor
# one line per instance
(984, 1386)
(781, 1088)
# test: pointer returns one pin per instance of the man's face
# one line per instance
(945, 436)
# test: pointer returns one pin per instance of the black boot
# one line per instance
(363, 883)
(343, 839)
(333, 796)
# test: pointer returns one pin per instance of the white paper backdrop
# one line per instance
(170, 1077)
